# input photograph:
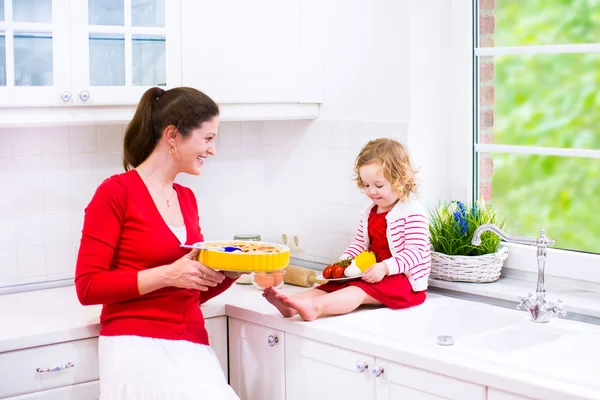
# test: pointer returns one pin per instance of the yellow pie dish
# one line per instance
(253, 260)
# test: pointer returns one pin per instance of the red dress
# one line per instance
(393, 291)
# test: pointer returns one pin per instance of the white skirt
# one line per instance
(135, 367)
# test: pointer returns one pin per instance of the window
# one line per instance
(537, 117)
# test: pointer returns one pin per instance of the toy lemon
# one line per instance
(365, 260)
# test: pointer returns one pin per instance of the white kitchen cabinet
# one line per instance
(397, 381)
(256, 360)
(334, 372)
(35, 52)
(47, 367)
(82, 391)
(122, 47)
(495, 394)
(260, 51)
(217, 337)
(58, 57)
(87, 52)
(316, 370)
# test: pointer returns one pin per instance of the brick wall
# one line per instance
(487, 24)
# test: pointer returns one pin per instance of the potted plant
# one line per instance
(453, 257)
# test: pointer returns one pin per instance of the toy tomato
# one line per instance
(338, 271)
(328, 272)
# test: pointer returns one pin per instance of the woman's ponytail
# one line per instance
(140, 136)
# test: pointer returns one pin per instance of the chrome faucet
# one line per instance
(539, 308)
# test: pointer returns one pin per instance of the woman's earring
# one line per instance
(173, 151)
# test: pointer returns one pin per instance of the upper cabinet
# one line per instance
(123, 47)
(87, 52)
(89, 61)
(259, 51)
(34, 52)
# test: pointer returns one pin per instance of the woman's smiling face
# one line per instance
(194, 149)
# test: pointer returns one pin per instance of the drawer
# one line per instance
(81, 391)
(59, 365)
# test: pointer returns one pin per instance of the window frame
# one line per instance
(576, 267)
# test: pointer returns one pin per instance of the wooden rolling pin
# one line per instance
(301, 276)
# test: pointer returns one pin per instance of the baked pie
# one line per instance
(243, 256)
(244, 246)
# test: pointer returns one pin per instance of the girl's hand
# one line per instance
(187, 273)
(376, 273)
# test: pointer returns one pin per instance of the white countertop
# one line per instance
(41, 317)
(494, 346)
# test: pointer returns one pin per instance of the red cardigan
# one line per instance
(123, 233)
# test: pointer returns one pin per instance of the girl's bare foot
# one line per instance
(277, 298)
(308, 309)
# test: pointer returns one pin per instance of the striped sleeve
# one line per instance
(413, 256)
(358, 244)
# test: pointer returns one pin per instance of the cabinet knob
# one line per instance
(272, 340)
(66, 96)
(57, 368)
(84, 95)
(377, 371)
(361, 366)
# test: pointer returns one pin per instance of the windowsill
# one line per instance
(579, 301)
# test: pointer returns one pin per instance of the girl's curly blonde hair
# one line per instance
(395, 163)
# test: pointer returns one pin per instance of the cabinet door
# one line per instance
(83, 391)
(397, 381)
(495, 394)
(256, 361)
(217, 337)
(320, 371)
(34, 52)
(259, 51)
(123, 47)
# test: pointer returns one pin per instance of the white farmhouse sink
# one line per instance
(579, 355)
(436, 317)
(483, 331)
(513, 339)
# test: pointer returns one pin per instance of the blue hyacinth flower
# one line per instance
(460, 217)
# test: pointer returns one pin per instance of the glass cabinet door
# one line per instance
(124, 47)
(34, 52)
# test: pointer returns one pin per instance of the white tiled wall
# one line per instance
(48, 176)
(287, 177)
(271, 178)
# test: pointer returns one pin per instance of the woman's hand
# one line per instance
(376, 273)
(232, 275)
(187, 273)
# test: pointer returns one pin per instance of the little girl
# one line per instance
(395, 227)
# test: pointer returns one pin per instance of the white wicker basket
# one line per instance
(485, 268)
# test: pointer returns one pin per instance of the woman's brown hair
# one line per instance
(395, 163)
(183, 107)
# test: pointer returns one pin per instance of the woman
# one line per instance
(153, 344)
